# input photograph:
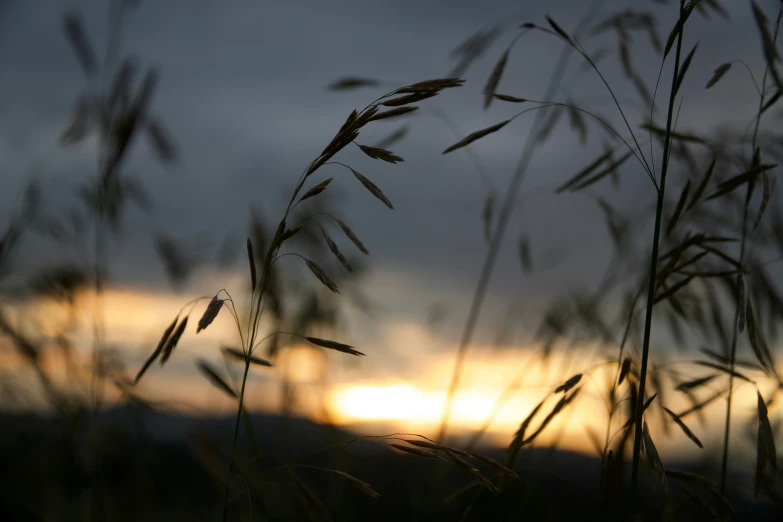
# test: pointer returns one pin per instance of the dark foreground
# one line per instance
(151, 466)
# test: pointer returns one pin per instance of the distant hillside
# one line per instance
(149, 470)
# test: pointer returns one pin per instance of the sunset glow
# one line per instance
(499, 386)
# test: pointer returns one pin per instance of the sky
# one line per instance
(242, 92)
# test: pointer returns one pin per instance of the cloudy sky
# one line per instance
(243, 94)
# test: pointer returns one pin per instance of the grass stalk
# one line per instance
(743, 241)
(236, 438)
(637, 444)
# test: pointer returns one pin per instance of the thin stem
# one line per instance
(575, 44)
(637, 445)
(750, 73)
(236, 437)
(256, 305)
(743, 240)
(544, 104)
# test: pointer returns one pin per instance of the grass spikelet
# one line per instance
(392, 113)
(336, 251)
(653, 459)
(291, 232)
(494, 80)
(470, 138)
(669, 293)
(375, 191)
(310, 497)
(624, 370)
(718, 74)
(472, 471)
(582, 174)
(355, 482)
(678, 27)
(380, 154)
(418, 452)
(321, 275)
(276, 241)
(316, 189)
(340, 140)
(519, 437)
(610, 169)
(158, 350)
(365, 116)
(252, 262)
(349, 123)
(495, 464)
(333, 345)
(350, 235)
(698, 406)
(770, 49)
(766, 452)
(431, 85)
(773, 99)
(352, 82)
(724, 369)
(562, 403)
(408, 99)
(684, 68)
(210, 313)
(759, 347)
(509, 99)
(695, 383)
(559, 30)
(570, 383)
(683, 427)
(703, 184)
(215, 379)
(765, 197)
(679, 136)
(765, 428)
(678, 209)
(239, 354)
(749, 176)
(632, 419)
(171, 343)
(81, 45)
(436, 446)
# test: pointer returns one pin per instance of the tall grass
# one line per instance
(670, 272)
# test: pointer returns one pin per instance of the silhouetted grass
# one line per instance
(708, 252)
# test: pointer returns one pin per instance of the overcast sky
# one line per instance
(242, 91)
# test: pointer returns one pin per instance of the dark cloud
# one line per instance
(242, 91)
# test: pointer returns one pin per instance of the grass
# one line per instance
(672, 265)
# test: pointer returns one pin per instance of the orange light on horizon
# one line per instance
(409, 404)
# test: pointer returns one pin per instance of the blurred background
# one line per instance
(103, 249)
